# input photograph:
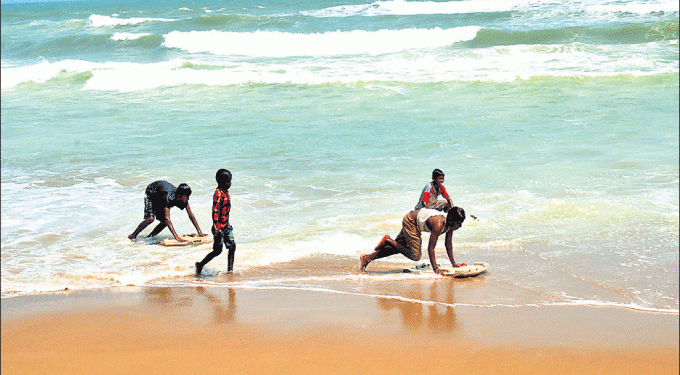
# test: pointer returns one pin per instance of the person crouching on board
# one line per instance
(159, 197)
(409, 240)
(222, 231)
(429, 197)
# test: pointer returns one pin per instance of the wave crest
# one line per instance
(409, 8)
(284, 44)
(108, 21)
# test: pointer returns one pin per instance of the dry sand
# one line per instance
(204, 330)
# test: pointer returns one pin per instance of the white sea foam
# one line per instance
(42, 71)
(128, 36)
(283, 44)
(483, 66)
(486, 65)
(411, 55)
(640, 7)
(405, 8)
(108, 21)
(401, 8)
(277, 251)
(597, 303)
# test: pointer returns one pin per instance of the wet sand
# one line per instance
(197, 330)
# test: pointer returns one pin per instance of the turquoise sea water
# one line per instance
(556, 124)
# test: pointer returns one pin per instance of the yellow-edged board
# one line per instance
(193, 239)
(465, 271)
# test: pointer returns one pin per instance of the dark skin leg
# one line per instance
(141, 227)
(365, 259)
(217, 250)
(386, 247)
(213, 254)
(437, 226)
(159, 228)
(230, 267)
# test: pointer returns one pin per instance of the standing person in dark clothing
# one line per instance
(159, 197)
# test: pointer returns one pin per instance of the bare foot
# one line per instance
(132, 237)
(199, 268)
(382, 241)
(459, 264)
(364, 260)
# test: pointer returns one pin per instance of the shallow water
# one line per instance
(556, 126)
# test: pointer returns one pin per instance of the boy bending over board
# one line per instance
(159, 197)
(409, 240)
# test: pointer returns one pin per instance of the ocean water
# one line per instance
(556, 123)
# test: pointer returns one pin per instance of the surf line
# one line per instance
(567, 303)
(633, 307)
(331, 291)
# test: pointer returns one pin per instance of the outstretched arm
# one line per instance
(436, 225)
(446, 196)
(449, 249)
(168, 222)
(193, 221)
(434, 236)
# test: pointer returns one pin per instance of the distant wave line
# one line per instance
(108, 21)
(128, 36)
(412, 8)
(481, 66)
(404, 8)
(334, 43)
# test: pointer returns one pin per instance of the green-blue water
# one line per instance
(556, 124)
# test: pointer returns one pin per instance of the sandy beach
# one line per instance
(192, 330)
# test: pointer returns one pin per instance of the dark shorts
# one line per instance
(148, 207)
(151, 210)
(226, 238)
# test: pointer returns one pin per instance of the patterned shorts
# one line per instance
(148, 207)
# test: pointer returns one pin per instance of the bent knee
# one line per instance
(414, 256)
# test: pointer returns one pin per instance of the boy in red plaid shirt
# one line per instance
(221, 229)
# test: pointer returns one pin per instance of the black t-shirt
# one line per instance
(162, 195)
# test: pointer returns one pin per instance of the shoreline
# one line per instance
(196, 329)
(127, 289)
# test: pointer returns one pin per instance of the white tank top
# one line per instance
(423, 215)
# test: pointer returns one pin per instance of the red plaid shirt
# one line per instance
(220, 210)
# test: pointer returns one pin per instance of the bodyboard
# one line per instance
(194, 239)
(458, 272)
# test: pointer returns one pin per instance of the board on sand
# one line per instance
(464, 271)
(193, 239)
